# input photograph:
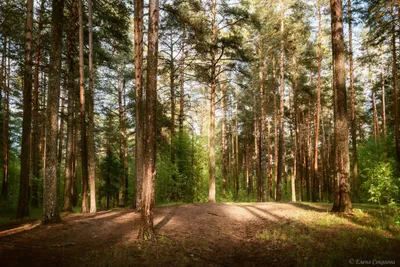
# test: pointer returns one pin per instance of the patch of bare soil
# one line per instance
(261, 234)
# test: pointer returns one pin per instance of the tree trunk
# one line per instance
(375, 115)
(263, 143)
(182, 95)
(69, 154)
(395, 89)
(224, 141)
(91, 149)
(121, 197)
(140, 112)
(4, 189)
(281, 113)
(84, 152)
(236, 144)
(211, 193)
(257, 146)
(50, 198)
(317, 183)
(61, 132)
(146, 231)
(383, 102)
(23, 199)
(35, 123)
(342, 200)
(172, 91)
(6, 108)
(353, 106)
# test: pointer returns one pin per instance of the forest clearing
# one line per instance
(199, 132)
(222, 234)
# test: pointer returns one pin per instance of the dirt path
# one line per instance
(261, 234)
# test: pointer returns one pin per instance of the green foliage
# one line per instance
(110, 169)
(378, 178)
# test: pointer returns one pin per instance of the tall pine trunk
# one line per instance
(140, 112)
(91, 149)
(84, 152)
(23, 199)
(50, 198)
(211, 192)
(146, 231)
(69, 154)
(4, 188)
(342, 200)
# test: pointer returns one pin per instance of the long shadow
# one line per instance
(307, 207)
(166, 219)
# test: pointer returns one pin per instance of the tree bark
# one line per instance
(281, 113)
(90, 138)
(383, 102)
(35, 112)
(172, 99)
(23, 199)
(182, 94)
(224, 141)
(50, 198)
(6, 108)
(342, 202)
(61, 132)
(375, 115)
(69, 153)
(146, 231)
(140, 112)
(263, 143)
(4, 188)
(353, 106)
(84, 150)
(211, 192)
(121, 197)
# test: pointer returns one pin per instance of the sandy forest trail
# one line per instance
(256, 234)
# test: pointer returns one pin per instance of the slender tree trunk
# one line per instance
(140, 112)
(91, 149)
(342, 201)
(23, 200)
(146, 231)
(172, 91)
(50, 198)
(69, 154)
(84, 151)
(182, 95)
(61, 132)
(121, 197)
(383, 102)
(375, 115)
(276, 92)
(6, 108)
(395, 89)
(211, 193)
(257, 146)
(353, 105)
(317, 183)
(236, 143)
(4, 189)
(263, 143)
(224, 140)
(281, 113)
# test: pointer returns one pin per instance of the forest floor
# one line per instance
(222, 234)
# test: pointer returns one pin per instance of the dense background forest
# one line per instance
(243, 106)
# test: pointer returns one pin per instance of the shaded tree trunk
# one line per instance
(50, 198)
(342, 200)
(4, 188)
(121, 197)
(375, 115)
(140, 113)
(383, 102)
(6, 111)
(263, 143)
(61, 132)
(69, 154)
(23, 199)
(35, 113)
(224, 141)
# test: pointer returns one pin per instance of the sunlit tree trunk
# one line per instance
(211, 193)
(375, 115)
(61, 131)
(50, 198)
(91, 149)
(224, 140)
(84, 152)
(6, 117)
(146, 231)
(342, 200)
(182, 93)
(263, 143)
(23, 199)
(140, 113)
(383, 102)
